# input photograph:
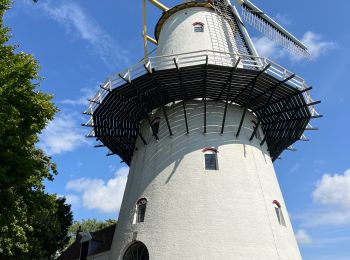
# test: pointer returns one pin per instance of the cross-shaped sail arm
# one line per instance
(265, 24)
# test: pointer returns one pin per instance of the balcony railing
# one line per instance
(198, 58)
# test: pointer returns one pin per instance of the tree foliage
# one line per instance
(33, 224)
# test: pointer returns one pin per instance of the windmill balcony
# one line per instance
(278, 98)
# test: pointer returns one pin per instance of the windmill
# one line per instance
(200, 124)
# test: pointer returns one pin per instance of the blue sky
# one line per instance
(80, 43)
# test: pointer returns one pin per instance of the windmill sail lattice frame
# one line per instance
(275, 32)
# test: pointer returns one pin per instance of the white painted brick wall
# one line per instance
(197, 214)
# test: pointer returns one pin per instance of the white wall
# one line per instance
(197, 214)
(177, 35)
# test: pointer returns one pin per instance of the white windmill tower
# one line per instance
(200, 125)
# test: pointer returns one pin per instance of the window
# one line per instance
(141, 210)
(210, 159)
(257, 132)
(198, 27)
(155, 125)
(210, 162)
(137, 251)
(279, 213)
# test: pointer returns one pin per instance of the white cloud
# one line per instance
(326, 217)
(97, 194)
(333, 192)
(267, 48)
(302, 237)
(63, 134)
(316, 45)
(76, 20)
(73, 200)
(82, 100)
(283, 19)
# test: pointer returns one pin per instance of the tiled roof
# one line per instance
(104, 235)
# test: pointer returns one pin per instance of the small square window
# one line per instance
(198, 27)
(211, 161)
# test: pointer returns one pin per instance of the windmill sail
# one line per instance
(224, 10)
(271, 29)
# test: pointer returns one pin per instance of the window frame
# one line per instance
(210, 151)
(198, 25)
(136, 248)
(279, 213)
(138, 218)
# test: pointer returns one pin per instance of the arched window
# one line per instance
(257, 132)
(141, 210)
(198, 27)
(136, 251)
(155, 125)
(279, 213)
(210, 158)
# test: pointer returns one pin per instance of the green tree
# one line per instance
(89, 225)
(50, 223)
(28, 215)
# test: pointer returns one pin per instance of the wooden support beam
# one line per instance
(159, 5)
(159, 88)
(311, 129)
(245, 109)
(276, 120)
(252, 82)
(115, 128)
(296, 110)
(225, 111)
(87, 113)
(152, 40)
(291, 149)
(292, 109)
(110, 154)
(146, 37)
(152, 128)
(229, 83)
(121, 149)
(142, 138)
(273, 87)
(145, 41)
(229, 79)
(296, 119)
(94, 101)
(184, 95)
(141, 104)
(205, 94)
(267, 105)
(252, 86)
(284, 98)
